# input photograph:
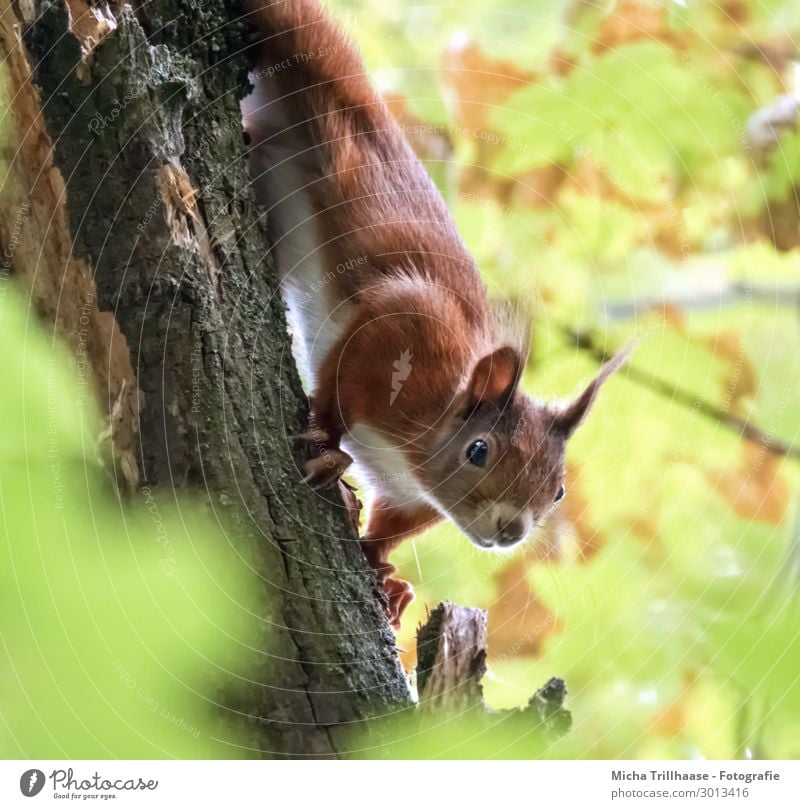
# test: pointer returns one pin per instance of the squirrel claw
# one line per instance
(325, 471)
(394, 594)
(399, 595)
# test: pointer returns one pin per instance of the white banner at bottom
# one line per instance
(389, 784)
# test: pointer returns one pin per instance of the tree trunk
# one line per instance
(162, 250)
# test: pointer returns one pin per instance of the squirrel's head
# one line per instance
(497, 469)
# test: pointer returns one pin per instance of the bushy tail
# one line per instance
(297, 44)
(377, 198)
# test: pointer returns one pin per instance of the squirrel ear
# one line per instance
(567, 420)
(495, 377)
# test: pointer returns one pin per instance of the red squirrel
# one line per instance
(411, 372)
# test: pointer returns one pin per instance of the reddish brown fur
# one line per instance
(411, 284)
(378, 200)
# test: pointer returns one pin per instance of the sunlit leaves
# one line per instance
(643, 111)
(663, 591)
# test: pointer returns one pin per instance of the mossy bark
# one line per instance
(143, 112)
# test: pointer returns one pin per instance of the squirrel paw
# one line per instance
(313, 436)
(325, 471)
(399, 594)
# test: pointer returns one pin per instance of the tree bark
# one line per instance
(169, 249)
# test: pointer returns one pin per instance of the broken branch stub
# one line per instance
(451, 657)
(451, 662)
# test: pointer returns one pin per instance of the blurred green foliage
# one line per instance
(599, 163)
(121, 623)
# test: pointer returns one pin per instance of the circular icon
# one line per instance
(31, 783)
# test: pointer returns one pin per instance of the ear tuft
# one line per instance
(495, 377)
(568, 419)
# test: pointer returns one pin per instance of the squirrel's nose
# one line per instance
(509, 532)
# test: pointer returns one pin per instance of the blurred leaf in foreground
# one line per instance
(120, 623)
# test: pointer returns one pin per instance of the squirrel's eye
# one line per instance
(477, 452)
(560, 494)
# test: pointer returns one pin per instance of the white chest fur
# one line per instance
(384, 467)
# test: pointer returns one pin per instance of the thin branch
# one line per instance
(730, 294)
(743, 428)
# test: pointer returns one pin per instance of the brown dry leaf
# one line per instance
(575, 510)
(667, 240)
(755, 489)
(561, 62)
(675, 718)
(735, 11)
(632, 21)
(667, 228)
(538, 188)
(670, 314)
(476, 85)
(741, 382)
(590, 178)
(646, 526)
(519, 621)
